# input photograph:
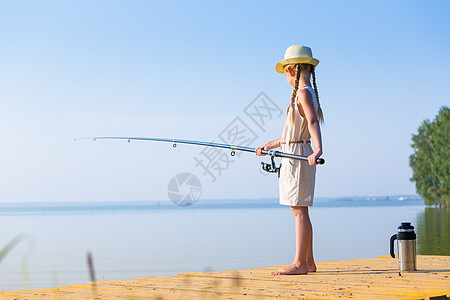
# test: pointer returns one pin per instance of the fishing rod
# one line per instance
(268, 167)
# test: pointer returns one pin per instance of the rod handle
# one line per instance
(320, 161)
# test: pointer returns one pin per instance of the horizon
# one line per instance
(318, 199)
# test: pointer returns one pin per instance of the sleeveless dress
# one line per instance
(297, 178)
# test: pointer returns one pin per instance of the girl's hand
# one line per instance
(313, 158)
(262, 147)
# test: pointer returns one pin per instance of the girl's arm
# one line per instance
(305, 101)
(268, 146)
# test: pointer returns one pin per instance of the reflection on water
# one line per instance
(433, 231)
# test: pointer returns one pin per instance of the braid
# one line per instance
(319, 110)
(294, 94)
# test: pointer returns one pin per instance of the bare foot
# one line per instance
(311, 267)
(292, 270)
(284, 269)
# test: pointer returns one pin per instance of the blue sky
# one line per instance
(187, 69)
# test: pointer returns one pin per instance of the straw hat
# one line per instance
(296, 54)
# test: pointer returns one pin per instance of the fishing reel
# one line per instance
(271, 167)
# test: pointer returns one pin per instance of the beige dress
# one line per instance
(297, 178)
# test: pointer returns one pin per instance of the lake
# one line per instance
(142, 239)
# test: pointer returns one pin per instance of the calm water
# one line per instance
(133, 240)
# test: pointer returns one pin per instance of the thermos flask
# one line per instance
(406, 245)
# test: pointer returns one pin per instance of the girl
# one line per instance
(297, 178)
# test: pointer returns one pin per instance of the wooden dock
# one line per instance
(376, 278)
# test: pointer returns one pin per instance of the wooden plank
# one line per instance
(368, 278)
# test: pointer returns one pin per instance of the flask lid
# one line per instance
(406, 227)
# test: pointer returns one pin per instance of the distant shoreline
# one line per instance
(398, 197)
(102, 207)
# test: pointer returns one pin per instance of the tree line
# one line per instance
(430, 161)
